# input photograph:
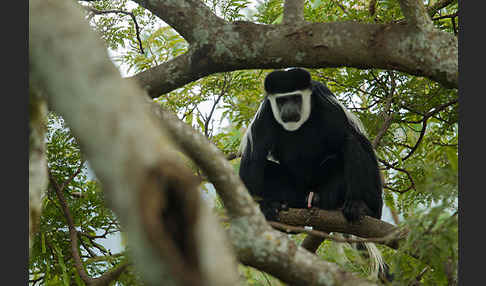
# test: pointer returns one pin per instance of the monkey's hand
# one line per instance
(271, 209)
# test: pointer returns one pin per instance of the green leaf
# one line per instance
(278, 20)
(77, 279)
(316, 4)
(65, 277)
(43, 243)
(201, 124)
(453, 159)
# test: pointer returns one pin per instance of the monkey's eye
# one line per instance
(292, 99)
(282, 100)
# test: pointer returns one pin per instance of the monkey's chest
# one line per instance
(305, 156)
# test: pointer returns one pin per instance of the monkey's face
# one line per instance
(291, 109)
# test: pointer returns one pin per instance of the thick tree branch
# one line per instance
(143, 176)
(190, 18)
(244, 45)
(334, 221)
(38, 176)
(219, 46)
(210, 159)
(395, 235)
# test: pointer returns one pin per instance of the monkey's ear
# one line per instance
(282, 81)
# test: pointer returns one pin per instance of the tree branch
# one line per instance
(219, 46)
(316, 233)
(137, 29)
(72, 233)
(426, 116)
(386, 114)
(453, 15)
(372, 7)
(334, 221)
(38, 176)
(432, 10)
(112, 274)
(391, 166)
(71, 178)
(226, 83)
(293, 12)
(416, 15)
(34, 281)
(421, 136)
(244, 45)
(107, 277)
(190, 18)
(144, 178)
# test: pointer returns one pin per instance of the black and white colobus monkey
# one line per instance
(303, 149)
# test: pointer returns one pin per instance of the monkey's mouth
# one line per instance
(290, 117)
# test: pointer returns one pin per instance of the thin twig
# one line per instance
(446, 16)
(391, 166)
(421, 136)
(88, 249)
(439, 5)
(71, 178)
(34, 281)
(73, 234)
(372, 8)
(137, 29)
(386, 113)
(226, 83)
(341, 7)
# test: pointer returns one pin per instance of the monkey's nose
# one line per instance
(290, 117)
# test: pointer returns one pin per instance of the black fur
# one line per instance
(286, 81)
(327, 155)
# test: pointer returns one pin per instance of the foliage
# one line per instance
(51, 257)
(417, 151)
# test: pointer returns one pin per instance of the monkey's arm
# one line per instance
(359, 180)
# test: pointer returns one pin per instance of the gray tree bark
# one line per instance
(217, 45)
(173, 236)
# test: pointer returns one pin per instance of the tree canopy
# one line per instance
(137, 109)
